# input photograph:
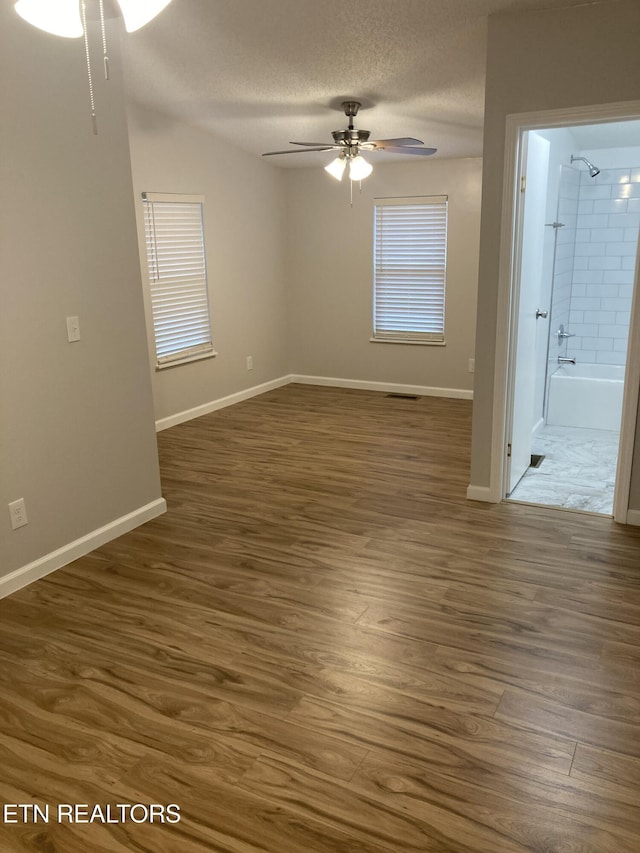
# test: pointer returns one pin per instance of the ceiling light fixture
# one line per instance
(138, 13)
(64, 18)
(59, 19)
(336, 167)
(68, 18)
(359, 169)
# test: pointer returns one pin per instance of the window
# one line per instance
(410, 252)
(177, 277)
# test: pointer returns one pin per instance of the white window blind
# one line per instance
(410, 253)
(177, 277)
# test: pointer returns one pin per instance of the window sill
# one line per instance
(186, 360)
(411, 343)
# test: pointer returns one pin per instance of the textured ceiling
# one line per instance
(260, 73)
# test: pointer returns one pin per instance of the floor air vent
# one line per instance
(536, 460)
(404, 396)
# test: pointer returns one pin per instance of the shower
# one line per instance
(593, 170)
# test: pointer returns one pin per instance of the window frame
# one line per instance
(433, 293)
(163, 286)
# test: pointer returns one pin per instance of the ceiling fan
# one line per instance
(351, 143)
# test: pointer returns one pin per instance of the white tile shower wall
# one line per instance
(607, 227)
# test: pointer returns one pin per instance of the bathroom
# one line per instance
(588, 181)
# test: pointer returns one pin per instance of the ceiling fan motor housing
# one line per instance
(350, 137)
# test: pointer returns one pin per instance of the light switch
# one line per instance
(73, 329)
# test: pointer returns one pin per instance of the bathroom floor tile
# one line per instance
(578, 472)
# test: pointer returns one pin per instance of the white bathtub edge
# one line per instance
(586, 402)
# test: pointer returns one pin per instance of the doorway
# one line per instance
(575, 252)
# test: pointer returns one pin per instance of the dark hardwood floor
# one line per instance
(323, 647)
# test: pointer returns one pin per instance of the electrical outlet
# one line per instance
(18, 513)
(73, 329)
(472, 365)
(249, 362)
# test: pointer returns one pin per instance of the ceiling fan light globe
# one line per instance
(137, 13)
(58, 17)
(336, 167)
(359, 169)
(62, 17)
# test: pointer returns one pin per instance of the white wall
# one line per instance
(77, 435)
(244, 239)
(540, 60)
(330, 252)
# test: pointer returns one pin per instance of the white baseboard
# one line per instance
(481, 493)
(537, 427)
(68, 553)
(390, 387)
(633, 517)
(221, 403)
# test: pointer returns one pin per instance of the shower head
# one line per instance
(593, 170)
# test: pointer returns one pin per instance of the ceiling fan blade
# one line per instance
(299, 150)
(398, 149)
(315, 144)
(405, 140)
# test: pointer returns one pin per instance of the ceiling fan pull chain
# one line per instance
(103, 30)
(94, 120)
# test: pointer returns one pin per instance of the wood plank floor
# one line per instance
(324, 647)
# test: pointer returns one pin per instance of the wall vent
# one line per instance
(404, 396)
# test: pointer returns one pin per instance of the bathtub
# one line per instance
(586, 395)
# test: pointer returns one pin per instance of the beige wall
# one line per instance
(330, 252)
(244, 240)
(77, 435)
(541, 61)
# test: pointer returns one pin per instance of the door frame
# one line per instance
(508, 280)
